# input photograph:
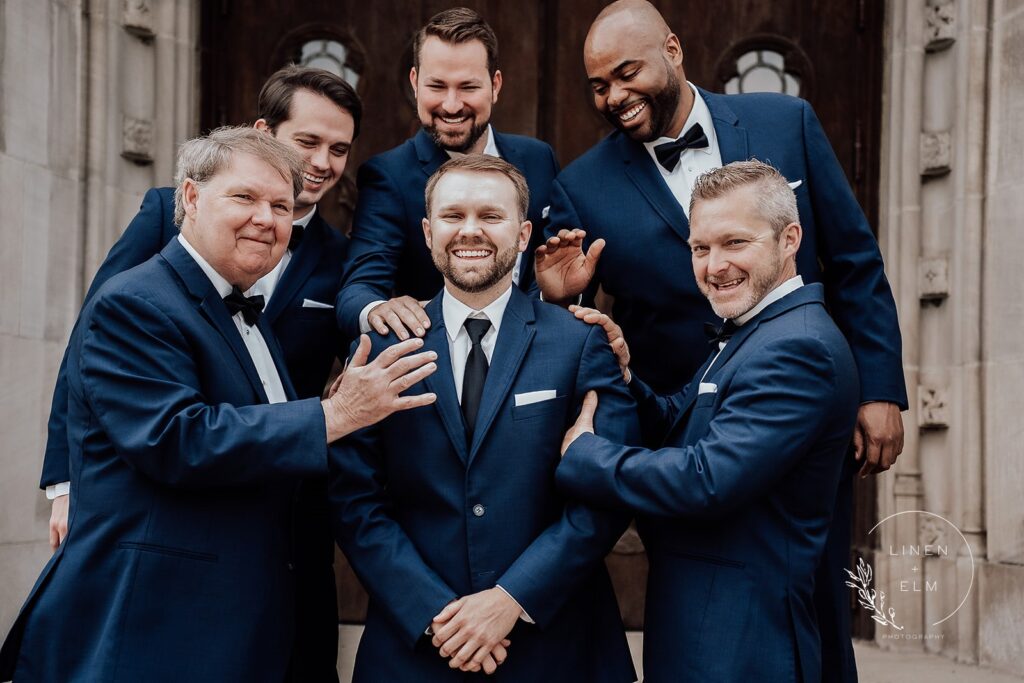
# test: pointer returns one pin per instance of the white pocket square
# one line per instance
(707, 388)
(545, 211)
(309, 303)
(795, 184)
(535, 397)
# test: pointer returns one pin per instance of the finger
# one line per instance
(453, 645)
(490, 665)
(449, 611)
(481, 658)
(589, 408)
(410, 402)
(54, 537)
(499, 653)
(858, 443)
(395, 323)
(464, 654)
(411, 379)
(594, 253)
(391, 354)
(362, 352)
(407, 364)
(376, 321)
(411, 318)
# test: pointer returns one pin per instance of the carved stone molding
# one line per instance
(936, 153)
(137, 18)
(933, 407)
(933, 279)
(940, 25)
(137, 140)
(931, 532)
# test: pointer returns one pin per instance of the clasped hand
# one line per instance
(472, 630)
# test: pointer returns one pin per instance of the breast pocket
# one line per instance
(531, 410)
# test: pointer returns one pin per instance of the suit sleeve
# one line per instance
(656, 413)
(859, 296)
(549, 571)
(377, 241)
(141, 381)
(383, 556)
(766, 423)
(141, 240)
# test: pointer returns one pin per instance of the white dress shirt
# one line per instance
(692, 162)
(490, 149)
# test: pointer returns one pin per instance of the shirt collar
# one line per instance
(222, 286)
(490, 147)
(790, 285)
(699, 113)
(455, 312)
(304, 221)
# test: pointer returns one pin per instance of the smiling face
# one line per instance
(240, 219)
(454, 93)
(636, 77)
(321, 132)
(737, 258)
(475, 233)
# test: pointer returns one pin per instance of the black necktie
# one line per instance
(668, 152)
(296, 239)
(717, 335)
(250, 306)
(476, 372)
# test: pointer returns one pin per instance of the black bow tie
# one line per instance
(668, 152)
(250, 306)
(296, 239)
(718, 335)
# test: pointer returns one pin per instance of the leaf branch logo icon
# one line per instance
(868, 597)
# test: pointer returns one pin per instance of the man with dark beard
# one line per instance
(456, 81)
(631, 194)
(450, 517)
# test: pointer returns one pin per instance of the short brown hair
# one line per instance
(204, 157)
(275, 101)
(482, 163)
(455, 26)
(776, 202)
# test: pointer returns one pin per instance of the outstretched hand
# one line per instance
(366, 393)
(404, 315)
(563, 270)
(616, 340)
(584, 423)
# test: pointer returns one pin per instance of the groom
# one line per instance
(736, 501)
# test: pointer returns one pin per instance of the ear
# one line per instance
(495, 86)
(412, 80)
(673, 50)
(524, 235)
(790, 239)
(426, 234)
(190, 197)
(262, 125)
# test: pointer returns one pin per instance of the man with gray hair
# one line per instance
(186, 442)
(735, 500)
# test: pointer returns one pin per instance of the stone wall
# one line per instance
(96, 94)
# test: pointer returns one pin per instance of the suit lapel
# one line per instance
(213, 308)
(430, 155)
(304, 260)
(644, 174)
(514, 337)
(441, 382)
(732, 138)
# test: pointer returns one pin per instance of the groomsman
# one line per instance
(631, 194)
(449, 514)
(736, 496)
(456, 81)
(317, 114)
(186, 441)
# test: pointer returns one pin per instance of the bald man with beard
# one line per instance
(620, 219)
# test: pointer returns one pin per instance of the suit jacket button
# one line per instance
(291, 566)
(479, 510)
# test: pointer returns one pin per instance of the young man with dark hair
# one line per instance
(317, 114)
(456, 80)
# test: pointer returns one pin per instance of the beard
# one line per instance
(662, 107)
(456, 144)
(476, 281)
(759, 284)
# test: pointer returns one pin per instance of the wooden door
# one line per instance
(830, 48)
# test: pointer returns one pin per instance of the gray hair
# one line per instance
(776, 202)
(204, 157)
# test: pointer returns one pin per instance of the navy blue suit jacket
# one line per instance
(735, 505)
(176, 566)
(404, 496)
(616, 192)
(309, 337)
(388, 256)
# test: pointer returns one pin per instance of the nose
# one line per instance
(320, 158)
(470, 227)
(617, 95)
(263, 214)
(718, 261)
(452, 104)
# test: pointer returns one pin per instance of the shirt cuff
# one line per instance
(522, 613)
(579, 299)
(364, 316)
(61, 489)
